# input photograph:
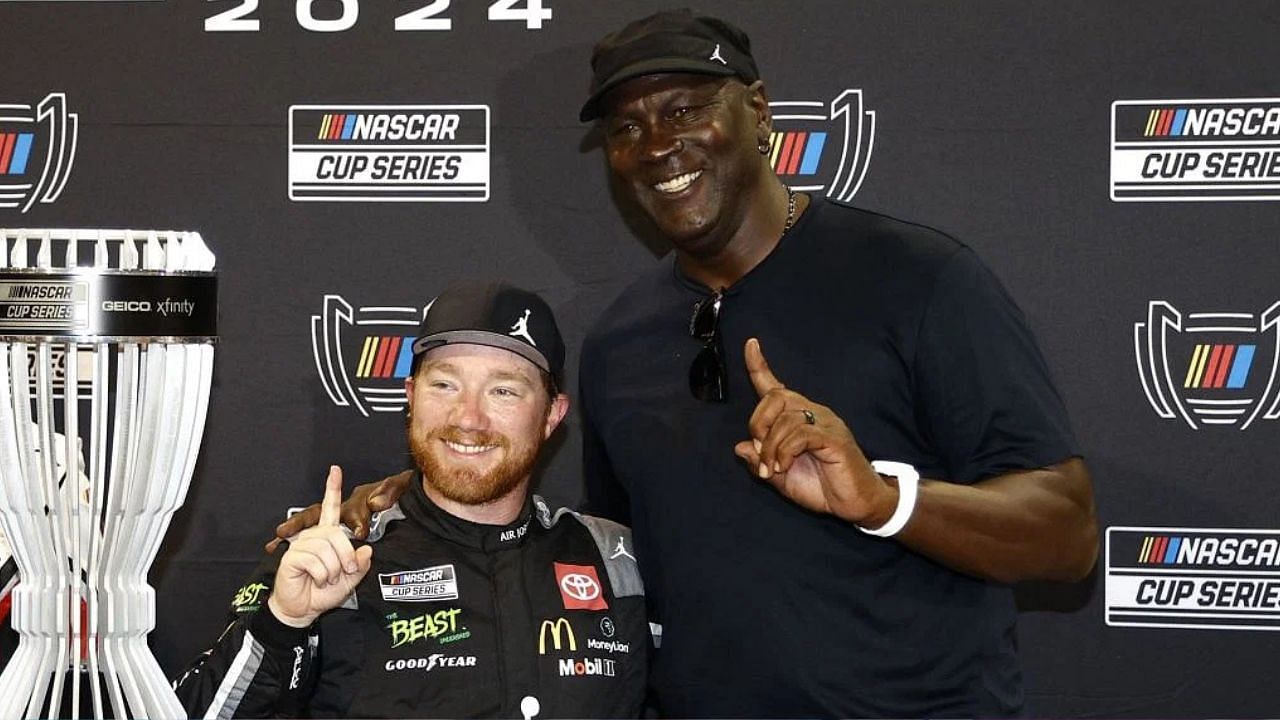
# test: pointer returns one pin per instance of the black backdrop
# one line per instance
(993, 121)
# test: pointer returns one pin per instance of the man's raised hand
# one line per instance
(320, 568)
(807, 452)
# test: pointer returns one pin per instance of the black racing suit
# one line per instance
(454, 619)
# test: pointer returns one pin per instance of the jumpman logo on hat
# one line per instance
(717, 56)
(521, 328)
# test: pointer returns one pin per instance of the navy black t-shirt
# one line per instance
(770, 610)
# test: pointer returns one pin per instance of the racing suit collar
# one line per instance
(419, 508)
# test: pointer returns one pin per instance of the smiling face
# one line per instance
(477, 417)
(685, 148)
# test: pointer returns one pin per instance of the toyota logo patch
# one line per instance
(580, 587)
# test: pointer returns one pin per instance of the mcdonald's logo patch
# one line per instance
(561, 634)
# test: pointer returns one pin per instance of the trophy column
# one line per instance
(106, 357)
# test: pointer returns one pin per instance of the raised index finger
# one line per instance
(331, 506)
(762, 378)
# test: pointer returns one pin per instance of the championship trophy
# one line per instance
(106, 356)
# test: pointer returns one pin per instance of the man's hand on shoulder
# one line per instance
(320, 568)
(365, 500)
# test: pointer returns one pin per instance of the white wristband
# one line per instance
(908, 484)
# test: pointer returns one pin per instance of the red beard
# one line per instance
(465, 485)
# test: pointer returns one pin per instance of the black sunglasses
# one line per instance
(708, 375)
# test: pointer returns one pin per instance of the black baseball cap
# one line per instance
(494, 314)
(672, 41)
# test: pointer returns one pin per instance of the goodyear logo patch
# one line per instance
(389, 153)
(1193, 578)
(1211, 369)
(1195, 149)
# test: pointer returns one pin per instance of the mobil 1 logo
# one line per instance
(389, 153)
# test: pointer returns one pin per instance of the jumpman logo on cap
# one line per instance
(521, 328)
(717, 56)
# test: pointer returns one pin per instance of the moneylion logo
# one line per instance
(613, 646)
(823, 147)
(364, 354)
(37, 149)
(553, 629)
(1210, 369)
(1225, 149)
(389, 153)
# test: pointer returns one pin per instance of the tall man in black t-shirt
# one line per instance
(900, 457)
(786, 597)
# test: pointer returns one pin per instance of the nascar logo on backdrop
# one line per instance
(1195, 149)
(1213, 369)
(37, 148)
(389, 153)
(1226, 579)
(364, 355)
(823, 147)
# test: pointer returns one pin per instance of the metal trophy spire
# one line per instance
(106, 357)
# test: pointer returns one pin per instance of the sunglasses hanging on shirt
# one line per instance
(708, 375)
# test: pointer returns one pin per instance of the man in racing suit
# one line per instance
(471, 597)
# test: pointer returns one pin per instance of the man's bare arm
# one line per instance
(1036, 524)
(1025, 525)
